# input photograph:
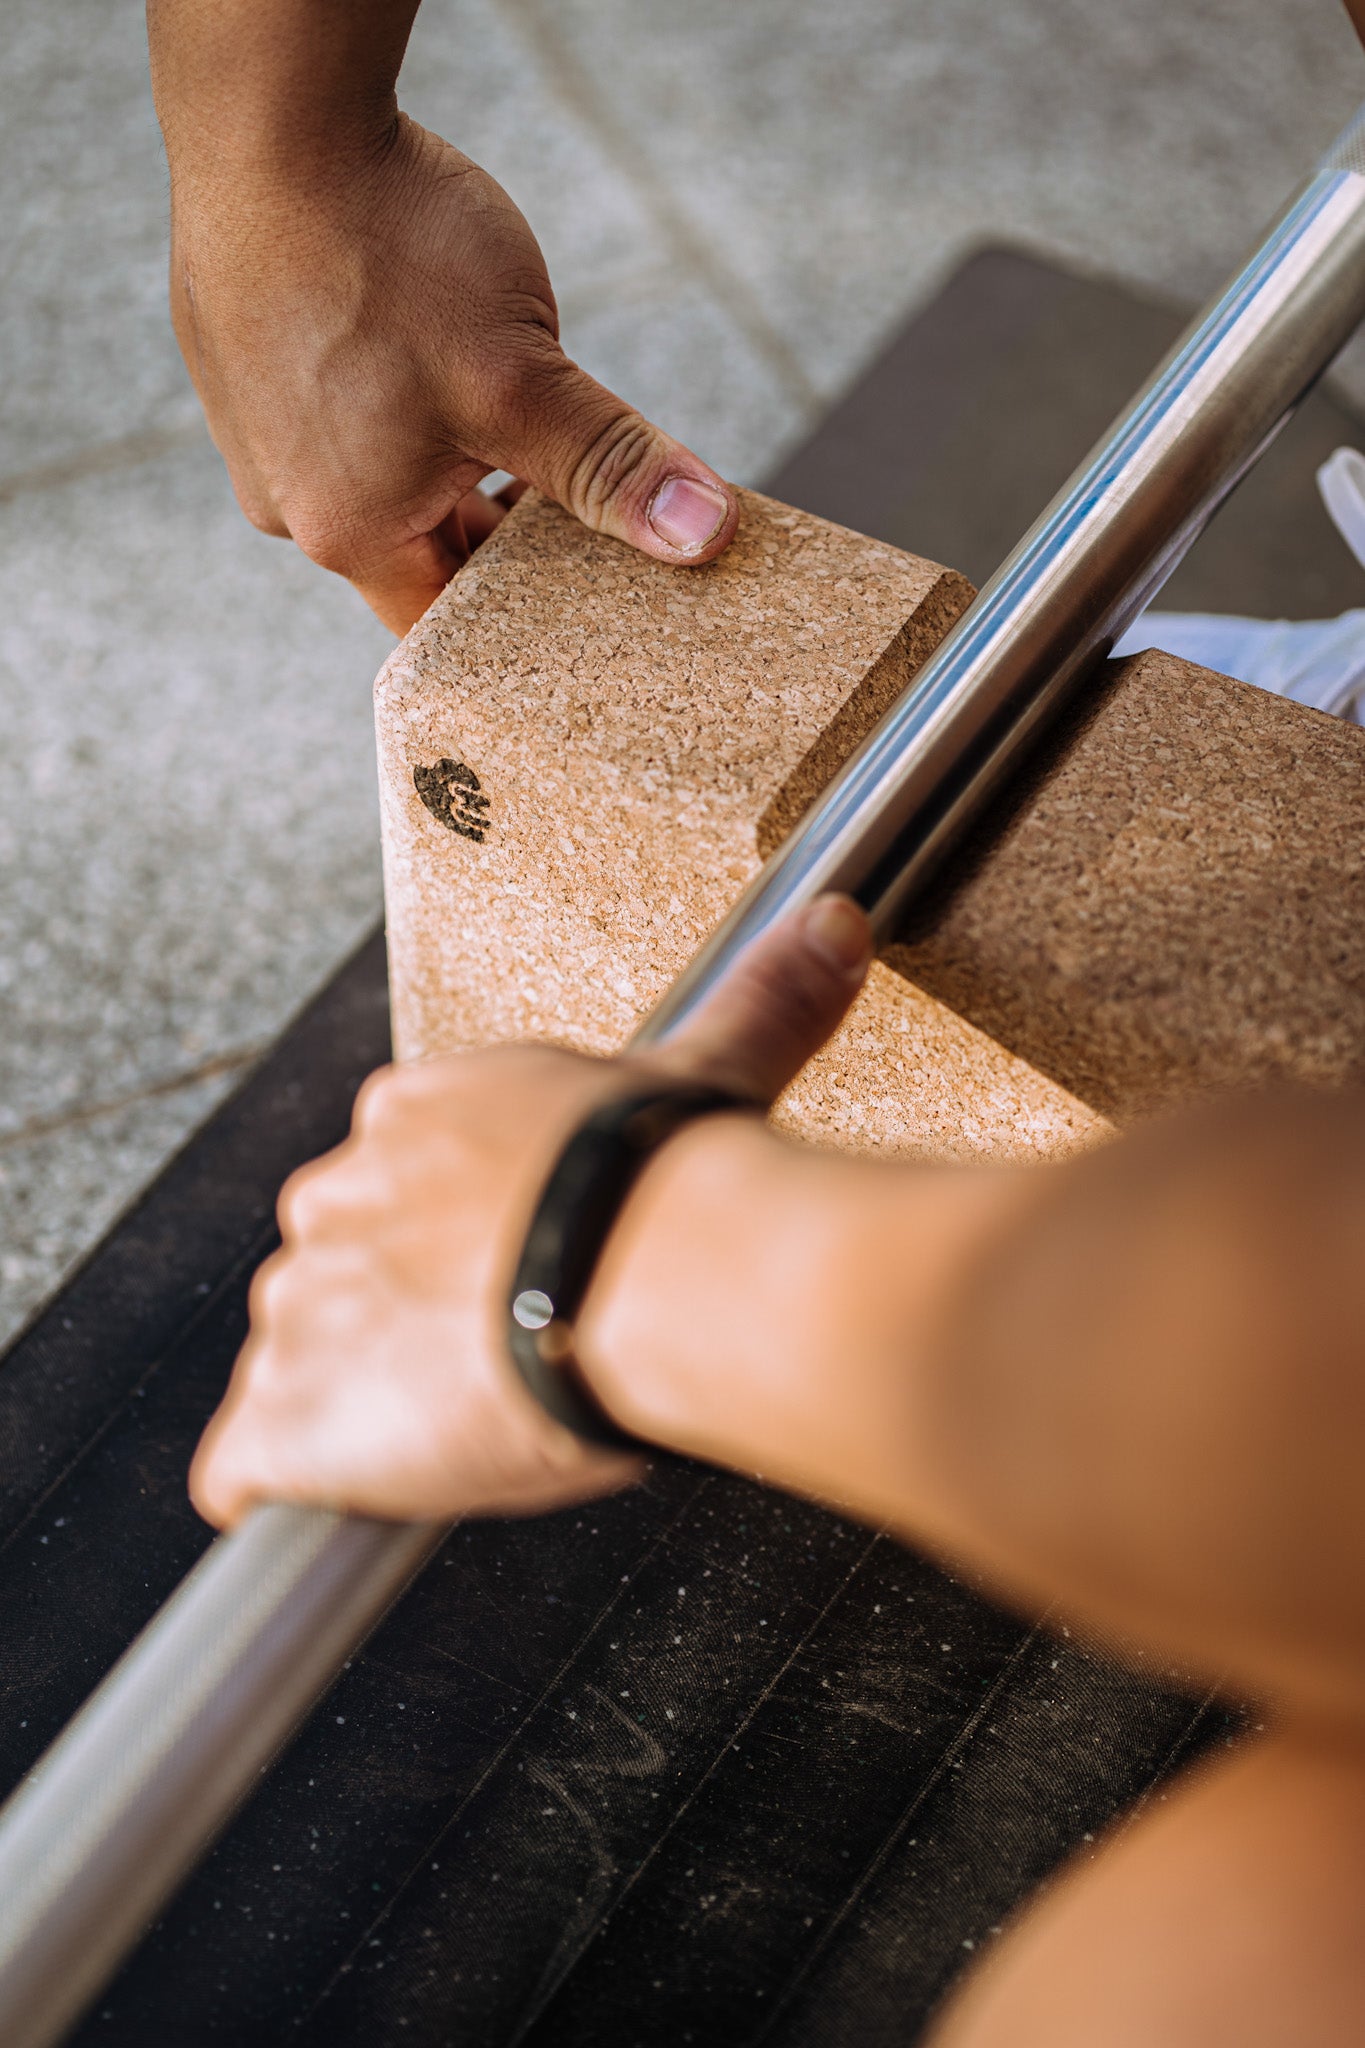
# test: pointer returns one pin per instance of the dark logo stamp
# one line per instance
(452, 793)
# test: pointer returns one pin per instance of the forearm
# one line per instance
(760, 1305)
(1153, 1404)
(238, 85)
(1129, 1385)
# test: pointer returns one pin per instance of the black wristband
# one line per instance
(580, 1202)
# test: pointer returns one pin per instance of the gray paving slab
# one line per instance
(646, 305)
(675, 350)
(87, 351)
(62, 1189)
(841, 159)
(191, 728)
(470, 75)
(188, 832)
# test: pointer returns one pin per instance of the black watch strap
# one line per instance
(580, 1202)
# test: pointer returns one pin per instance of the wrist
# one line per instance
(778, 1309)
(290, 97)
(719, 1295)
(247, 159)
(661, 1322)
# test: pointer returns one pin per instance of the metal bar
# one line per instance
(174, 1739)
(125, 1801)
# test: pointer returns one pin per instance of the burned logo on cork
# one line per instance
(454, 796)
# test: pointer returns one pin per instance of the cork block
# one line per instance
(585, 756)
(1175, 902)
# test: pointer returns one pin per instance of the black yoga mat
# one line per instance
(699, 1764)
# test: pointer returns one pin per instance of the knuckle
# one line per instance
(278, 1367)
(271, 1384)
(610, 467)
(396, 1096)
(783, 998)
(380, 1098)
(298, 1205)
(270, 1290)
(347, 525)
(260, 509)
(327, 539)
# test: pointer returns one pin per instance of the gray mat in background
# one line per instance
(953, 442)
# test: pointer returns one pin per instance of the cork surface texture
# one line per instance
(1176, 904)
(584, 757)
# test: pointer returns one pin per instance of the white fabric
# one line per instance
(1313, 661)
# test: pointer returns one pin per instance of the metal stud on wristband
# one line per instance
(580, 1202)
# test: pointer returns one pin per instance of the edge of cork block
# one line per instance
(870, 700)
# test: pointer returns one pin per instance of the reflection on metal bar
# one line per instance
(98, 1837)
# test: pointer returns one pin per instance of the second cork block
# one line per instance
(585, 756)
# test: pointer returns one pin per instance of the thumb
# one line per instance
(616, 472)
(779, 1003)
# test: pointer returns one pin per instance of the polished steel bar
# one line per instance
(127, 1798)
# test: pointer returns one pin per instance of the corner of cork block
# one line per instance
(749, 680)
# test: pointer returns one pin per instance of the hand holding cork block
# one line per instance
(585, 756)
